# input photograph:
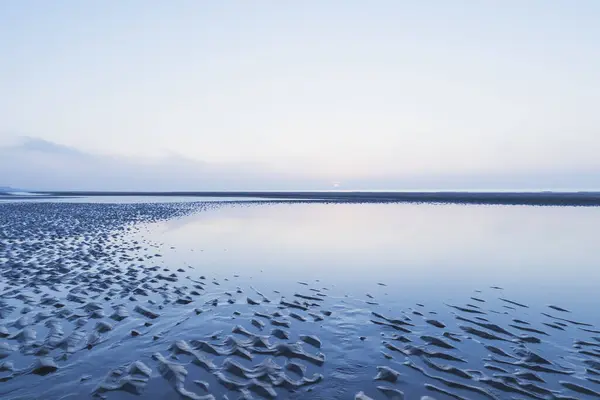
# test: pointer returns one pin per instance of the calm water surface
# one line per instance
(540, 254)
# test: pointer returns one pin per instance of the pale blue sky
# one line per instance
(321, 90)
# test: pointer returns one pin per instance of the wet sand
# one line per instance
(507, 198)
(90, 309)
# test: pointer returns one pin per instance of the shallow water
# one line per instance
(119, 199)
(402, 286)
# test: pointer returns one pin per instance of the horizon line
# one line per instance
(546, 197)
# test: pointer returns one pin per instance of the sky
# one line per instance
(281, 94)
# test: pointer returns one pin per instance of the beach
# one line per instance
(319, 299)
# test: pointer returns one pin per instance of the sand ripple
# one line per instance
(90, 308)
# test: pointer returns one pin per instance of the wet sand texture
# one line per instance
(88, 309)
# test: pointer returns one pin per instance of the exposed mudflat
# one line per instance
(461, 197)
(89, 308)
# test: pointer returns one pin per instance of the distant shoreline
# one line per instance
(508, 198)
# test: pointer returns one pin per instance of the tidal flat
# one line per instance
(297, 300)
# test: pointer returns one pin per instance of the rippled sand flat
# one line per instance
(89, 308)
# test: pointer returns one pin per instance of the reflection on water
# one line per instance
(537, 252)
